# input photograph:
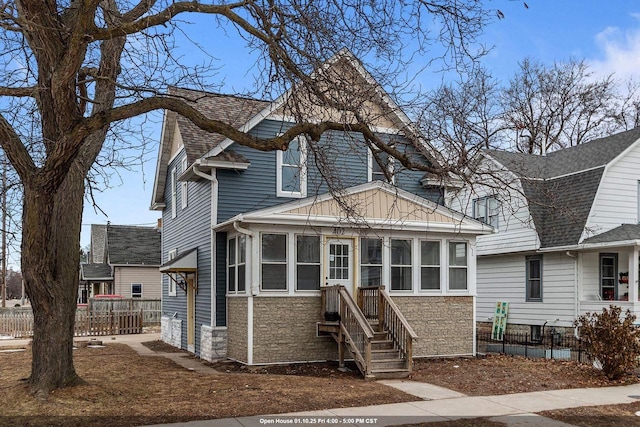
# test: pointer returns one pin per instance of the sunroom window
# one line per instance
(307, 263)
(273, 262)
(370, 262)
(457, 265)
(430, 265)
(401, 265)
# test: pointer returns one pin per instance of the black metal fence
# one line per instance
(551, 345)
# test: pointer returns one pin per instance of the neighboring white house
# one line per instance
(567, 237)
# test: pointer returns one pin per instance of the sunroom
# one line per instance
(278, 260)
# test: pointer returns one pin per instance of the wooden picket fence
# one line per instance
(151, 308)
(18, 322)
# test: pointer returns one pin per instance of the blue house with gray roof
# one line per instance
(567, 235)
(324, 251)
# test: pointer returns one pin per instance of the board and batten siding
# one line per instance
(189, 229)
(503, 278)
(150, 278)
(516, 231)
(617, 201)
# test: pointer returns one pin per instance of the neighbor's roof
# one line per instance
(623, 233)
(133, 245)
(95, 272)
(561, 186)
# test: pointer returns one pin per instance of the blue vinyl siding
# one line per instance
(189, 229)
(221, 279)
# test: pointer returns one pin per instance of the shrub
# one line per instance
(610, 339)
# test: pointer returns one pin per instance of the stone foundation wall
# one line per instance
(512, 328)
(171, 331)
(444, 324)
(285, 331)
(237, 329)
(213, 343)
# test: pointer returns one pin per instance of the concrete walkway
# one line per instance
(438, 404)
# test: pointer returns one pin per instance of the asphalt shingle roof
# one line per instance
(561, 186)
(133, 245)
(625, 232)
(95, 272)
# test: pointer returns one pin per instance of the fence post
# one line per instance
(526, 345)
(504, 340)
(552, 340)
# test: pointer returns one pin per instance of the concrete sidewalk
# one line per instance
(516, 410)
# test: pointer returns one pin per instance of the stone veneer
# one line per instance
(284, 330)
(444, 324)
(213, 343)
(171, 331)
(237, 329)
(513, 328)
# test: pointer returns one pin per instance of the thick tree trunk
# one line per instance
(50, 262)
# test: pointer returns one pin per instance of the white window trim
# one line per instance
(303, 172)
(174, 199)
(297, 263)
(141, 290)
(183, 185)
(410, 265)
(286, 262)
(371, 160)
(449, 267)
(439, 266)
(362, 264)
(172, 284)
(487, 216)
(237, 265)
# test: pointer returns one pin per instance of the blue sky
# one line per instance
(605, 33)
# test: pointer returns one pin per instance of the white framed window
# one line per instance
(486, 209)
(273, 262)
(136, 290)
(291, 170)
(534, 277)
(172, 282)
(370, 262)
(401, 265)
(377, 167)
(307, 263)
(237, 264)
(429, 265)
(183, 185)
(174, 198)
(458, 266)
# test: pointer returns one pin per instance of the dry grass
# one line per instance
(127, 389)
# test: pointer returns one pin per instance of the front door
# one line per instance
(339, 256)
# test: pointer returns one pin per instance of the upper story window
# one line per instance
(534, 278)
(370, 262)
(291, 170)
(458, 266)
(380, 163)
(174, 191)
(486, 209)
(183, 185)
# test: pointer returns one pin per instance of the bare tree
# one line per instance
(558, 106)
(73, 71)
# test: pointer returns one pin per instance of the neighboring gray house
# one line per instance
(252, 241)
(124, 260)
(568, 238)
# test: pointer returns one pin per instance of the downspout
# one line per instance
(212, 234)
(251, 235)
(576, 297)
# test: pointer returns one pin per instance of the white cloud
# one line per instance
(619, 52)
